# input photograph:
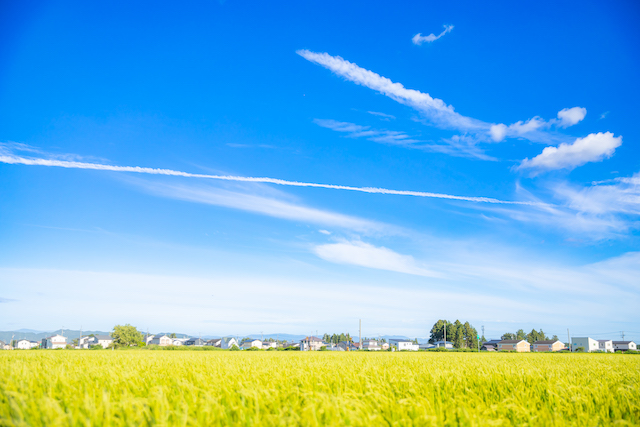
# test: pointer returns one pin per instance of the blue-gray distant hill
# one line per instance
(38, 335)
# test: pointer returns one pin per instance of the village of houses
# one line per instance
(312, 343)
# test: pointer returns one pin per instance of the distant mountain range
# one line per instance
(39, 335)
(34, 335)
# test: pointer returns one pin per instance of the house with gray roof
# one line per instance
(624, 346)
(195, 342)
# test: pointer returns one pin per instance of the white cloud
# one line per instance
(435, 109)
(621, 195)
(571, 116)
(531, 129)
(444, 116)
(356, 131)
(383, 115)
(263, 205)
(324, 232)
(31, 161)
(419, 39)
(366, 255)
(498, 132)
(592, 148)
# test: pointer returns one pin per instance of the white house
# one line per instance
(312, 343)
(269, 344)
(54, 341)
(402, 344)
(83, 342)
(624, 345)
(103, 340)
(248, 343)
(605, 345)
(445, 344)
(148, 338)
(195, 342)
(371, 345)
(588, 344)
(26, 344)
(161, 340)
(228, 342)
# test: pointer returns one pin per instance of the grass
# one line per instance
(121, 388)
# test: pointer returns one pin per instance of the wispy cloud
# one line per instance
(383, 115)
(435, 109)
(593, 148)
(259, 204)
(366, 255)
(437, 113)
(620, 195)
(356, 131)
(6, 300)
(596, 212)
(535, 128)
(31, 161)
(419, 39)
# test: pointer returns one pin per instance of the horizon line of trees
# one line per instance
(462, 335)
(531, 337)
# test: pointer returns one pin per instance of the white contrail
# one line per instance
(136, 169)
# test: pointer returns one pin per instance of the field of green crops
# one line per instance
(75, 387)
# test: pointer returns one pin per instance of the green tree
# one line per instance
(508, 336)
(437, 331)
(458, 334)
(173, 335)
(126, 336)
(520, 335)
(470, 336)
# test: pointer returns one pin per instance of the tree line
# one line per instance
(461, 335)
(336, 338)
(531, 337)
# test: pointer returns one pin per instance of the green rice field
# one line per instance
(186, 388)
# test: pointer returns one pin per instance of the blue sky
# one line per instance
(524, 113)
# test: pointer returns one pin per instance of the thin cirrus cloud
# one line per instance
(259, 204)
(353, 130)
(435, 109)
(444, 116)
(7, 156)
(419, 39)
(618, 196)
(600, 211)
(383, 116)
(593, 148)
(366, 255)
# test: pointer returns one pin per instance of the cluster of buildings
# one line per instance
(312, 343)
(584, 344)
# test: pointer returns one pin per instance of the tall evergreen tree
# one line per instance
(458, 334)
(437, 331)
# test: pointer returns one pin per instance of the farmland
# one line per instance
(76, 387)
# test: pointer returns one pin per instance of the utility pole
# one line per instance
(360, 335)
(445, 334)
(622, 335)
(483, 331)
(569, 338)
